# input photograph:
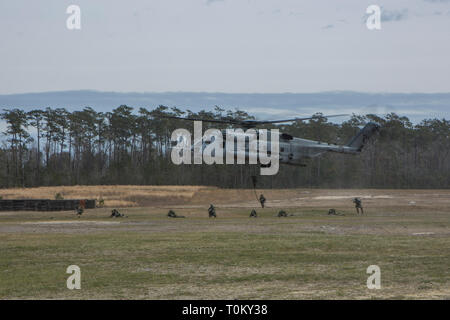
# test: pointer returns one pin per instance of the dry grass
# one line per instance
(114, 196)
(193, 196)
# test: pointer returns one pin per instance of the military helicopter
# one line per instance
(293, 150)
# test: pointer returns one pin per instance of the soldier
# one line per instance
(333, 212)
(358, 205)
(116, 214)
(171, 214)
(282, 213)
(212, 211)
(80, 208)
(253, 214)
(79, 211)
(262, 200)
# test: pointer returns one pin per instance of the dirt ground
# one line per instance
(308, 255)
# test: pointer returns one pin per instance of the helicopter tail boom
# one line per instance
(358, 141)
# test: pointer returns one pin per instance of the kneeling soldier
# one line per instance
(253, 214)
(79, 211)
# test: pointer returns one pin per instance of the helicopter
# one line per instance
(292, 150)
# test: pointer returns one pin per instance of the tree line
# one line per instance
(126, 146)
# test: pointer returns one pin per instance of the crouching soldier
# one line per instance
(79, 211)
(282, 213)
(116, 214)
(172, 214)
(358, 205)
(212, 211)
(253, 214)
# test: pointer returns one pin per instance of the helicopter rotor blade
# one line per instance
(200, 119)
(300, 119)
(247, 123)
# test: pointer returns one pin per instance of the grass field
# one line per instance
(309, 255)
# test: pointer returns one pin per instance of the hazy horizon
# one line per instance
(223, 92)
(416, 106)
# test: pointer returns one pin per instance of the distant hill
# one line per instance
(416, 106)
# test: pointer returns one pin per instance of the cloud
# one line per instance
(394, 15)
(390, 15)
(437, 1)
(330, 26)
(208, 2)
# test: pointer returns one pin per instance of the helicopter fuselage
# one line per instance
(265, 147)
(292, 150)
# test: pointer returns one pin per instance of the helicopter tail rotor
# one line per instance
(363, 136)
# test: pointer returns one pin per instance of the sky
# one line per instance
(236, 46)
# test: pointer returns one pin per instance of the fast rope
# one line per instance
(254, 187)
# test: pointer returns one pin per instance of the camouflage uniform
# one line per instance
(79, 211)
(335, 213)
(282, 213)
(262, 200)
(212, 211)
(116, 214)
(358, 205)
(172, 214)
(253, 214)
(80, 208)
